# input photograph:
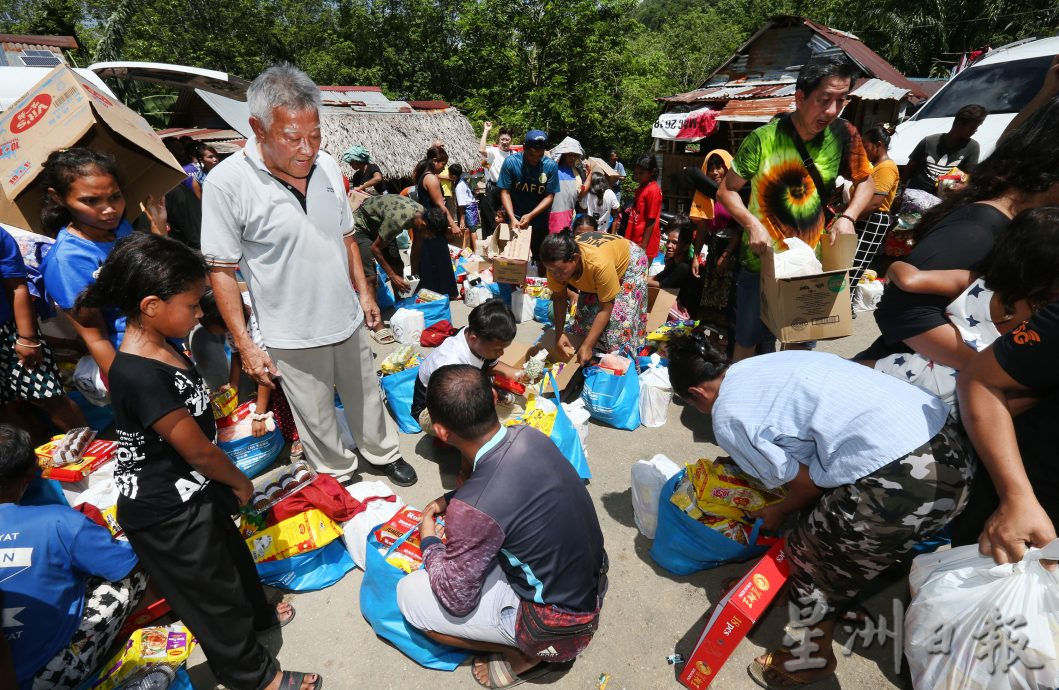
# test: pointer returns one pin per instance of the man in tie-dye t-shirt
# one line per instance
(784, 201)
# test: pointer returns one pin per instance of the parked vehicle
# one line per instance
(1002, 82)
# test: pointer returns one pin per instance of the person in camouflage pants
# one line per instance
(870, 465)
(857, 531)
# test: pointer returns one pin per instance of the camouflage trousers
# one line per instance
(857, 531)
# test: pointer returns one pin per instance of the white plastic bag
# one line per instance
(798, 260)
(965, 602)
(355, 531)
(869, 293)
(648, 478)
(407, 326)
(579, 417)
(655, 394)
(522, 305)
(478, 294)
(90, 383)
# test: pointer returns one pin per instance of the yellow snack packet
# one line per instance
(722, 489)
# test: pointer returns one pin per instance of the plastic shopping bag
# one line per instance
(399, 389)
(407, 325)
(433, 312)
(523, 306)
(612, 399)
(655, 395)
(648, 478)
(382, 504)
(384, 292)
(579, 417)
(308, 572)
(542, 311)
(683, 545)
(994, 626)
(378, 605)
(548, 416)
(798, 260)
(251, 454)
(476, 295)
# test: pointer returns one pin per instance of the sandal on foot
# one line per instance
(773, 677)
(280, 621)
(383, 336)
(292, 680)
(500, 674)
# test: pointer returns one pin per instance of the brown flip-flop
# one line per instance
(772, 677)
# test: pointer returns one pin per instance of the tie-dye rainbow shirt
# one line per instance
(782, 194)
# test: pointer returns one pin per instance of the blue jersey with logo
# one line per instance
(46, 554)
(73, 264)
(528, 184)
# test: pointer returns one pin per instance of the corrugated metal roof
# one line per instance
(870, 61)
(429, 105)
(878, 90)
(755, 110)
(67, 42)
(734, 90)
(358, 96)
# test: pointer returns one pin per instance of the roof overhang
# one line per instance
(175, 76)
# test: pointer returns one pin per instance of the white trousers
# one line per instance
(310, 378)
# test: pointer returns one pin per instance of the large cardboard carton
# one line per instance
(734, 616)
(659, 302)
(813, 307)
(509, 252)
(65, 110)
(517, 354)
(601, 166)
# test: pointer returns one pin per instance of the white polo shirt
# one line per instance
(293, 257)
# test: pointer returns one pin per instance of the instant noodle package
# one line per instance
(719, 495)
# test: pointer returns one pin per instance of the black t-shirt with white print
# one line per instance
(154, 482)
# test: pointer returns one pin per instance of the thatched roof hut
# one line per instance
(397, 133)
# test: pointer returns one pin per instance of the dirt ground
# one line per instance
(648, 615)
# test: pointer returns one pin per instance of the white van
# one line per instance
(1002, 82)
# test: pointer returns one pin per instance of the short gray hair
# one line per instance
(281, 86)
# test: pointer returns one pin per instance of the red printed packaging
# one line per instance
(734, 616)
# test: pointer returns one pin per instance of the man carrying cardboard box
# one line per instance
(528, 182)
(791, 164)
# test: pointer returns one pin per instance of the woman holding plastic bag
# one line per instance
(611, 274)
(871, 475)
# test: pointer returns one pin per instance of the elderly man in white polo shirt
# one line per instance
(279, 213)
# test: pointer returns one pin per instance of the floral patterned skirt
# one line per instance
(628, 319)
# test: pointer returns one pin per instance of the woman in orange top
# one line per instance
(877, 219)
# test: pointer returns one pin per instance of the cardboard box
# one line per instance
(733, 618)
(517, 354)
(357, 199)
(97, 454)
(600, 165)
(303, 532)
(659, 302)
(814, 307)
(65, 110)
(509, 253)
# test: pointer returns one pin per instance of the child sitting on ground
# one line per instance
(490, 329)
(1017, 278)
(269, 405)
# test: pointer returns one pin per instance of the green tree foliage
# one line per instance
(588, 68)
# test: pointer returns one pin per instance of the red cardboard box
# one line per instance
(734, 616)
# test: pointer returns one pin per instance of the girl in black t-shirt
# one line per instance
(177, 490)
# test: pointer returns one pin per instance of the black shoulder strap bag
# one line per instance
(810, 167)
